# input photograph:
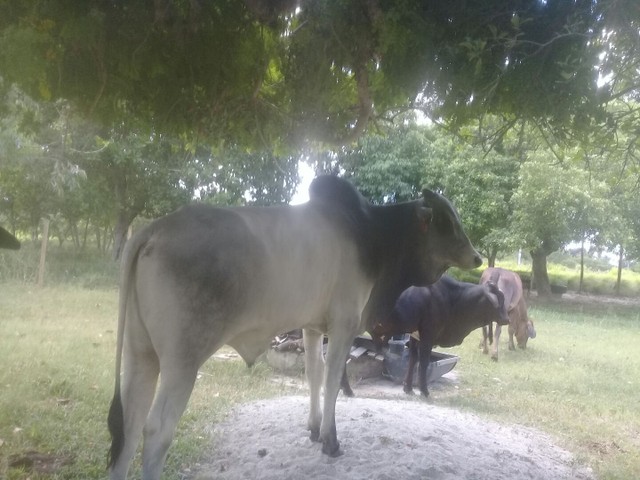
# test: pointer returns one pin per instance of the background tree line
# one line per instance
(111, 111)
(520, 193)
(523, 193)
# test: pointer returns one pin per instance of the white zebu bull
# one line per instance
(203, 277)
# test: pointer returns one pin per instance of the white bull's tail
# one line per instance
(115, 419)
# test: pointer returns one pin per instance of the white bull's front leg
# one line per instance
(314, 366)
(338, 348)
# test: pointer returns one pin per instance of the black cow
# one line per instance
(205, 276)
(442, 314)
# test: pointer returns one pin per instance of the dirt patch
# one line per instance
(386, 435)
(382, 439)
(37, 462)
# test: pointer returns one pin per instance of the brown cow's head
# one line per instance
(524, 331)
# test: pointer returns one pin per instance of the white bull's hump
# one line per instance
(310, 266)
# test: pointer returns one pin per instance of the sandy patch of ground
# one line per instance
(382, 439)
(386, 436)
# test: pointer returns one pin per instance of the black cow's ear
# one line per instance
(496, 297)
(493, 299)
(426, 193)
(425, 215)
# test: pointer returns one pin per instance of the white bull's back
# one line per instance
(286, 271)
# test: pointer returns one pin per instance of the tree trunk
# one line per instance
(107, 239)
(98, 232)
(491, 259)
(84, 235)
(540, 275)
(43, 251)
(620, 261)
(581, 266)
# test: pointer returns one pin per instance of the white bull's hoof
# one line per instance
(314, 434)
(332, 448)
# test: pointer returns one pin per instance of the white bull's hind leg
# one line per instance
(176, 385)
(337, 351)
(138, 387)
(314, 367)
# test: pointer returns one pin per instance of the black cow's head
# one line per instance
(444, 242)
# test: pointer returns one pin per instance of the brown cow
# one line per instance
(520, 324)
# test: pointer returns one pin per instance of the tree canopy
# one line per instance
(277, 73)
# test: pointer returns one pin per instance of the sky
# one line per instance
(302, 192)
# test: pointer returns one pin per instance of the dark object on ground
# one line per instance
(396, 362)
(8, 241)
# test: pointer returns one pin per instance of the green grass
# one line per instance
(577, 381)
(57, 349)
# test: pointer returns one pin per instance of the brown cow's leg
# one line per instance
(512, 345)
(413, 358)
(496, 342)
(484, 342)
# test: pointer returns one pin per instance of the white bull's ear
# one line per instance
(425, 215)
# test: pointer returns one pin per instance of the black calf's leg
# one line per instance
(413, 358)
(425, 357)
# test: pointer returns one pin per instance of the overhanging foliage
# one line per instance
(263, 72)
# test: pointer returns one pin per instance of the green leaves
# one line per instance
(262, 76)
